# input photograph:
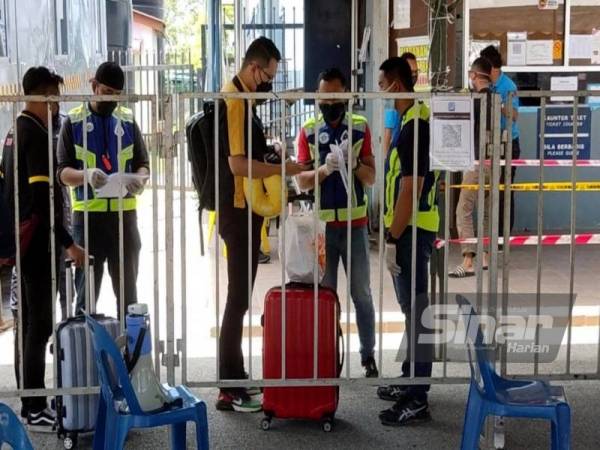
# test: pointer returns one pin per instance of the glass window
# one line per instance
(536, 34)
(584, 39)
(61, 35)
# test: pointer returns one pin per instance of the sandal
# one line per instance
(461, 272)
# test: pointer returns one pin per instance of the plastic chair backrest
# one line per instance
(12, 431)
(480, 359)
(114, 376)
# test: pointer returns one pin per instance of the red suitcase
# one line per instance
(310, 402)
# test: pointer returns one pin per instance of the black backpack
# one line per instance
(200, 132)
(7, 226)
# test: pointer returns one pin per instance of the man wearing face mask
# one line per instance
(479, 82)
(256, 75)
(411, 403)
(330, 130)
(391, 119)
(113, 140)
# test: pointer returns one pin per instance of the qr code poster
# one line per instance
(451, 143)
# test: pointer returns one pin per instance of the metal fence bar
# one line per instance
(282, 217)
(506, 221)
(482, 205)
(540, 227)
(121, 169)
(380, 181)
(169, 253)
(182, 343)
(572, 232)
(154, 150)
(53, 259)
(349, 235)
(413, 271)
(18, 265)
(250, 235)
(216, 233)
(316, 280)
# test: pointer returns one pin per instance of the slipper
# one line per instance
(485, 267)
(461, 272)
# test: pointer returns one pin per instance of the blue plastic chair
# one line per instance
(112, 424)
(12, 431)
(492, 395)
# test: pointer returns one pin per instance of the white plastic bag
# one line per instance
(300, 246)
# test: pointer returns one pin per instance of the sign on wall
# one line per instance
(558, 127)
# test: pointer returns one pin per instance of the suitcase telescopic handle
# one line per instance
(69, 287)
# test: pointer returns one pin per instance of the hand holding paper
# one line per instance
(119, 184)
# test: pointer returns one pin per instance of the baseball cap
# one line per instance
(110, 74)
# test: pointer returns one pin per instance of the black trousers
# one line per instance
(37, 297)
(103, 243)
(516, 153)
(233, 228)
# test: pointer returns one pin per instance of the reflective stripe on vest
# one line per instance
(427, 220)
(359, 206)
(89, 159)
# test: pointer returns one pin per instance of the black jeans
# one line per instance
(104, 247)
(423, 357)
(37, 297)
(233, 228)
(516, 153)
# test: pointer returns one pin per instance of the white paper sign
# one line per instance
(401, 14)
(517, 49)
(547, 4)
(580, 46)
(118, 182)
(563, 84)
(539, 53)
(451, 129)
(595, 47)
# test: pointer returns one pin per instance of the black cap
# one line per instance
(110, 74)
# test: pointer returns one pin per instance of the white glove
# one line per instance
(332, 163)
(343, 146)
(135, 187)
(96, 178)
(390, 259)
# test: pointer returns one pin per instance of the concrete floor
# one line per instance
(357, 426)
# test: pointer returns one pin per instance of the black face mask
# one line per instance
(332, 112)
(105, 108)
(265, 86)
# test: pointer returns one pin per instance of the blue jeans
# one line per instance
(360, 284)
(402, 284)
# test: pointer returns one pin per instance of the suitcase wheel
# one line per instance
(327, 425)
(265, 424)
(70, 441)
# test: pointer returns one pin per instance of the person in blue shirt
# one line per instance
(504, 86)
(391, 118)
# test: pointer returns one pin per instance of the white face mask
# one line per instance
(389, 103)
(471, 84)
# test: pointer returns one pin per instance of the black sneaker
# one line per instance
(392, 393)
(237, 400)
(408, 410)
(263, 258)
(370, 368)
(42, 422)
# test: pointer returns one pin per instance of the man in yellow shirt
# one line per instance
(256, 75)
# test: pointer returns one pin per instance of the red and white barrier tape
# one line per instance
(548, 162)
(548, 239)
